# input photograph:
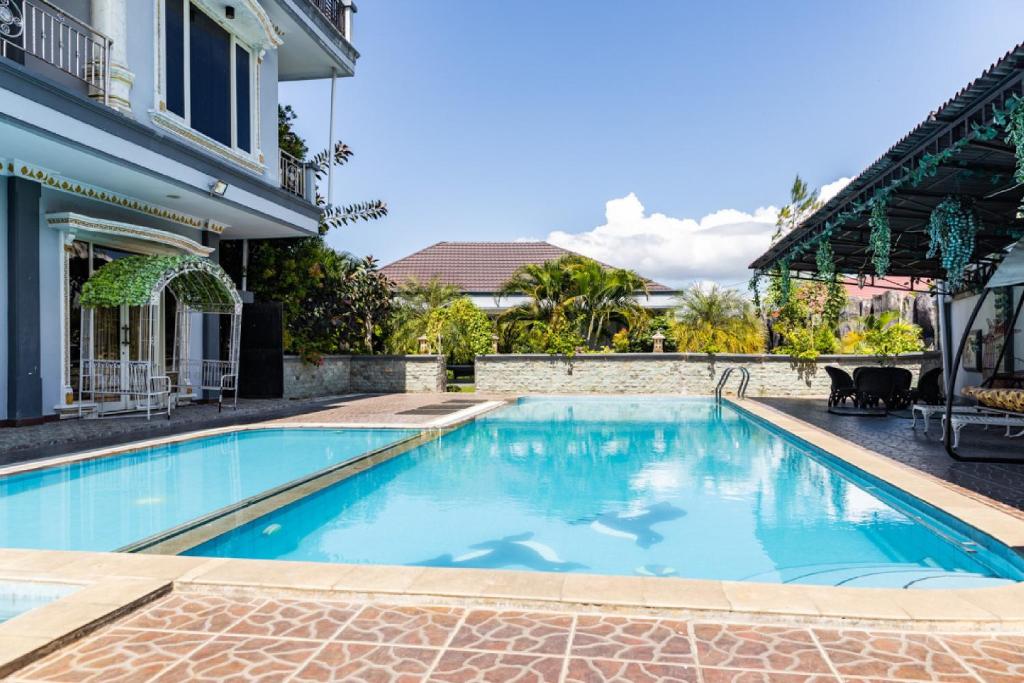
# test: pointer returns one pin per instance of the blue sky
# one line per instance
(653, 134)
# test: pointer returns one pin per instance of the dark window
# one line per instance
(174, 38)
(242, 126)
(210, 66)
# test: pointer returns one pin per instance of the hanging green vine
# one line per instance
(785, 282)
(755, 289)
(952, 230)
(1012, 120)
(880, 242)
(825, 260)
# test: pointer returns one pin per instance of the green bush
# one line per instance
(460, 331)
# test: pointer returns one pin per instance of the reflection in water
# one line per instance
(654, 487)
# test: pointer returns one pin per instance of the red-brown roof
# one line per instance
(477, 267)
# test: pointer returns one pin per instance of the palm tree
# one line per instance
(601, 294)
(575, 290)
(716, 320)
(547, 287)
(415, 301)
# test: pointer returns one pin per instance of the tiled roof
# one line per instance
(477, 267)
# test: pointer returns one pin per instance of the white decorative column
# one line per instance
(110, 17)
(67, 391)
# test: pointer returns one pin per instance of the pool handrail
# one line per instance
(741, 391)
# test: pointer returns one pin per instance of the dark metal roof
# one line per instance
(970, 173)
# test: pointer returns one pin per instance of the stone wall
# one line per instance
(384, 374)
(338, 375)
(672, 373)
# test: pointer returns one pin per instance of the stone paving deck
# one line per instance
(23, 444)
(196, 636)
(893, 437)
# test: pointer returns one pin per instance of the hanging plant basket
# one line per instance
(952, 229)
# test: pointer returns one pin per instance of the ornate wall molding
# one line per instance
(13, 167)
(78, 223)
(173, 124)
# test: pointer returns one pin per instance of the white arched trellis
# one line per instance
(141, 381)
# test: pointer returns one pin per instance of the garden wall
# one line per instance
(338, 375)
(671, 373)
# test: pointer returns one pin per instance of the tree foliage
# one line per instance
(415, 301)
(808, 319)
(571, 299)
(887, 336)
(803, 201)
(333, 302)
(716, 320)
(459, 331)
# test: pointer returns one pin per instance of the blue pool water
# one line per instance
(18, 597)
(650, 486)
(107, 503)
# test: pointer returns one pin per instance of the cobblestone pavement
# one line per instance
(893, 437)
(21, 444)
(202, 637)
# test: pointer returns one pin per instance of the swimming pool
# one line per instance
(110, 502)
(630, 486)
(18, 597)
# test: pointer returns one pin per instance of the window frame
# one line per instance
(235, 43)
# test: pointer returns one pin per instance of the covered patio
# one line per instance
(938, 213)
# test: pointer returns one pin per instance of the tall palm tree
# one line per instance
(548, 289)
(716, 320)
(575, 289)
(601, 294)
(415, 301)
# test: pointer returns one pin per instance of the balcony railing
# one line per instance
(293, 175)
(339, 13)
(37, 29)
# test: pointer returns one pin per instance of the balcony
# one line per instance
(296, 177)
(49, 41)
(338, 13)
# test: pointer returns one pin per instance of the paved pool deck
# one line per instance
(894, 438)
(56, 438)
(202, 636)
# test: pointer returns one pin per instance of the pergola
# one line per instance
(970, 149)
(195, 285)
(952, 152)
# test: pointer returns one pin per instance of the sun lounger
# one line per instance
(987, 419)
(928, 410)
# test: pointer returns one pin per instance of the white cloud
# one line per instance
(832, 189)
(677, 251)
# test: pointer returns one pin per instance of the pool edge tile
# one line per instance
(695, 594)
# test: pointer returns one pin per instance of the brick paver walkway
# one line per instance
(203, 637)
(893, 437)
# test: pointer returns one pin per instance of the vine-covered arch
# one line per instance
(200, 284)
(144, 380)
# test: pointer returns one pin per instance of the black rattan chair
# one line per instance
(842, 386)
(929, 388)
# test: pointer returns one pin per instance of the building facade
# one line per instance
(140, 127)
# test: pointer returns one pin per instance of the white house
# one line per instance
(140, 127)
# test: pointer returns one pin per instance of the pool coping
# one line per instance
(442, 422)
(116, 583)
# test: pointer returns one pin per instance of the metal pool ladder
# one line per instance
(744, 381)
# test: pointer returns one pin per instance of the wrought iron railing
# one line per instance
(39, 29)
(293, 175)
(339, 13)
